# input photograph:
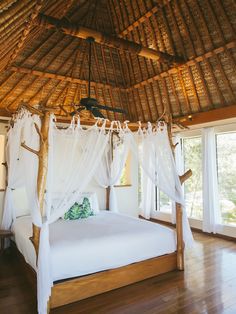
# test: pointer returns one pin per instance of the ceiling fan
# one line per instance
(89, 103)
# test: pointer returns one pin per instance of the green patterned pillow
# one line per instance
(79, 211)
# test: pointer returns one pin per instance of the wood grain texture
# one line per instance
(86, 286)
(208, 285)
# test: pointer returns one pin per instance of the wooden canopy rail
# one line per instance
(75, 289)
(79, 31)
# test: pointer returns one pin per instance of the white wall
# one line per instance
(128, 196)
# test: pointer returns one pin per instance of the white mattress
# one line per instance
(101, 242)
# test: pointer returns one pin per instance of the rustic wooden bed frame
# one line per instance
(75, 289)
(79, 288)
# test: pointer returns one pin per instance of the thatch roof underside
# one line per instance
(45, 65)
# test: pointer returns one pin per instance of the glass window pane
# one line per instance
(226, 162)
(165, 204)
(125, 178)
(192, 149)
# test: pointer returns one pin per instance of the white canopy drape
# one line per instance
(159, 166)
(74, 155)
(22, 165)
(73, 159)
(112, 163)
(157, 160)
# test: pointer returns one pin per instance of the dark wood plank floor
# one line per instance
(208, 285)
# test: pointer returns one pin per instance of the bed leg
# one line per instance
(107, 197)
(180, 243)
(48, 307)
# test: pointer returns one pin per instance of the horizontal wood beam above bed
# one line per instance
(188, 120)
(111, 41)
(65, 78)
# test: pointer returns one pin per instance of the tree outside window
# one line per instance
(192, 152)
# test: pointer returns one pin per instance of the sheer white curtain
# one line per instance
(112, 163)
(211, 211)
(147, 204)
(158, 163)
(18, 160)
(74, 155)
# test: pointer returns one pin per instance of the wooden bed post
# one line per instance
(179, 226)
(179, 210)
(108, 189)
(42, 170)
(179, 233)
(108, 197)
(42, 173)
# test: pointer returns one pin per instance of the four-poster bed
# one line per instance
(70, 290)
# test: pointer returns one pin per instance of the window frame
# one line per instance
(227, 230)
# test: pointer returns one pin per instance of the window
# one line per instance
(2, 159)
(226, 164)
(125, 179)
(192, 153)
(163, 202)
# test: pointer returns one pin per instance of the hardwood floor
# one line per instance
(208, 285)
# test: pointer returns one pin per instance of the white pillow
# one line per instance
(21, 203)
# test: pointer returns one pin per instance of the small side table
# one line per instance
(4, 234)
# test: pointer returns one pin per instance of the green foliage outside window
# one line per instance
(192, 148)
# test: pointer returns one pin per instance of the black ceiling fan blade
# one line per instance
(80, 108)
(110, 108)
(96, 113)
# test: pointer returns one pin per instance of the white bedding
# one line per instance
(104, 241)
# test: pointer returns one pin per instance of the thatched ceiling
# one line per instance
(41, 64)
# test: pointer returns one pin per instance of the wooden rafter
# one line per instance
(140, 20)
(191, 62)
(185, 56)
(37, 77)
(75, 30)
(60, 77)
(26, 31)
(209, 66)
(219, 65)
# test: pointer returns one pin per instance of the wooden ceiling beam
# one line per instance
(219, 114)
(191, 62)
(75, 30)
(208, 116)
(44, 74)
